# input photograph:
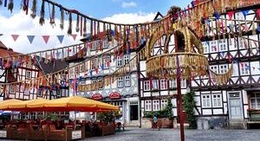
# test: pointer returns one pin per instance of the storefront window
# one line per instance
(255, 101)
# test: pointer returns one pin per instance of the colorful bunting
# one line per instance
(60, 38)
(245, 12)
(15, 36)
(30, 38)
(230, 14)
(46, 38)
(74, 36)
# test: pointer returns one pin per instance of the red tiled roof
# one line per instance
(5, 52)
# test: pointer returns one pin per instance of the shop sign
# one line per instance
(114, 95)
(3, 134)
(76, 134)
(97, 96)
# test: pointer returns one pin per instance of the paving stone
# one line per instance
(137, 134)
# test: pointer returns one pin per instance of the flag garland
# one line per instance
(196, 10)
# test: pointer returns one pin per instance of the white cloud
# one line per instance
(128, 4)
(23, 25)
(131, 18)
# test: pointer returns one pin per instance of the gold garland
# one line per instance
(188, 62)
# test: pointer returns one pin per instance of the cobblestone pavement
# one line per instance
(137, 134)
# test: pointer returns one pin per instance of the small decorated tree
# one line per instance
(168, 109)
(189, 105)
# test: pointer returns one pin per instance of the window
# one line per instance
(242, 43)
(119, 61)
(222, 45)
(213, 46)
(156, 105)
(163, 84)
(244, 68)
(94, 63)
(28, 74)
(223, 68)
(214, 68)
(94, 45)
(82, 68)
(105, 44)
(99, 81)
(148, 105)
(126, 59)
(155, 84)
(127, 81)
(164, 103)
(12, 88)
(172, 84)
(206, 101)
(255, 101)
(146, 85)
(205, 47)
(183, 83)
(120, 82)
(26, 91)
(216, 99)
(106, 62)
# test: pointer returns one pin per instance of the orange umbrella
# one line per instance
(4, 105)
(29, 105)
(77, 103)
(37, 103)
(18, 105)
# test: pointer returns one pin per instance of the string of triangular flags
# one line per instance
(86, 24)
(45, 38)
(197, 12)
(63, 75)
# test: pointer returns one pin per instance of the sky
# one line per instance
(118, 11)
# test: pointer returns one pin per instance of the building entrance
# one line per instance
(133, 112)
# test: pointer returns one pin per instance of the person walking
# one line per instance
(155, 122)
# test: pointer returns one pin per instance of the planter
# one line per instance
(254, 115)
(164, 122)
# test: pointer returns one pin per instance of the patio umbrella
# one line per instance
(77, 103)
(4, 105)
(29, 105)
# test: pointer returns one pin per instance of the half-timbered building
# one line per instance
(16, 75)
(123, 91)
(236, 103)
(233, 104)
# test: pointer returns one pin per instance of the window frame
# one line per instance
(163, 84)
(148, 105)
(28, 74)
(156, 105)
(119, 61)
(172, 84)
(255, 97)
(164, 103)
(218, 99)
(147, 85)
(126, 59)
(206, 101)
(127, 84)
(120, 82)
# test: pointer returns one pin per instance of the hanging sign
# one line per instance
(114, 95)
(97, 96)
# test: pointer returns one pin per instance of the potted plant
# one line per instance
(166, 115)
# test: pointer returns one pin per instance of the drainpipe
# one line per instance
(139, 89)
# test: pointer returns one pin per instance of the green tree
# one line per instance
(168, 109)
(189, 105)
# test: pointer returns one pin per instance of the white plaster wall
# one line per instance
(206, 111)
